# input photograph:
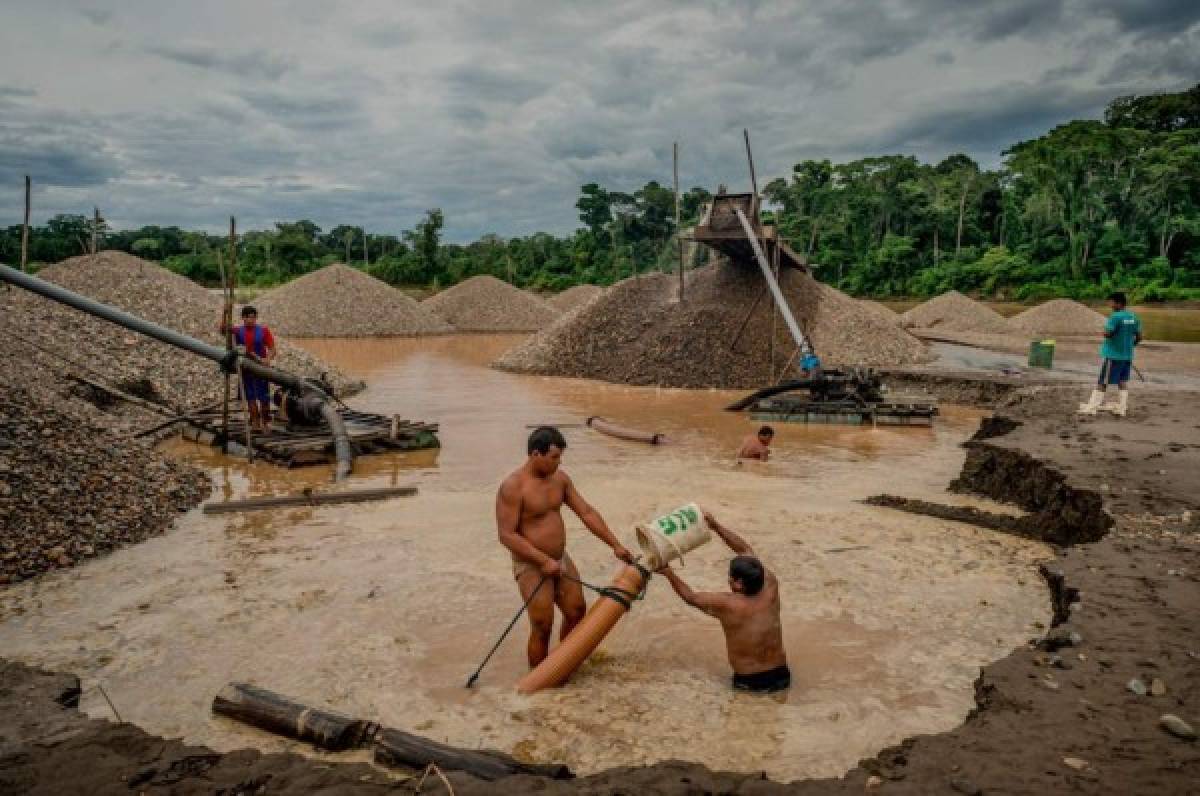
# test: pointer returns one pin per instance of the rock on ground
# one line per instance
(340, 301)
(572, 297)
(68, 493)
(1060, 316)
(638, 332)
(955, 312)
(47, 342)
(486, 304)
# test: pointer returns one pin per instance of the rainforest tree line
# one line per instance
(1085, 208)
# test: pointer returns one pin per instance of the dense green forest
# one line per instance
(1088, 207)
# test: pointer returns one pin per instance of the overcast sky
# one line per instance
(167, 112)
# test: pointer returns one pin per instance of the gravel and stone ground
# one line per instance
(1059, 317)
(47, 342)
(952, 311)
(68, 493)
(340, 301)
(724, 333)
(486, 304)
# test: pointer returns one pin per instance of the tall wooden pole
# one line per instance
(25, 230)
(366, 252)
(95, 227)
(678, 231)
(750, 158)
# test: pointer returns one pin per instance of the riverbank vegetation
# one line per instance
(1088, 207)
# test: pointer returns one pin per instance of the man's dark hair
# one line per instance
(248, 310)
(1118, 298)
(543, 438)
(749, 570)
(766, 431)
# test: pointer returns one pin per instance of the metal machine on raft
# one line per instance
(731, 225)
(854, 396)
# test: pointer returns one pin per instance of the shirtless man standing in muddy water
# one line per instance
(748, 613)
(529, 523)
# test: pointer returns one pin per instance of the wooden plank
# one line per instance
(308, 498)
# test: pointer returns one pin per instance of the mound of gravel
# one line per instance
(46, 342)
(638, 332)
(486, 304)
(572, 297)
(67, 495)
(880, 311)
(1059, 317)
(954, 312)
(340, 301)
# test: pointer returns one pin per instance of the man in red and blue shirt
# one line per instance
(256, 342)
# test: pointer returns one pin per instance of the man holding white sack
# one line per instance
(748, 613)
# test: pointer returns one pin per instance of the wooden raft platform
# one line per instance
(794, 409)
(299, 446)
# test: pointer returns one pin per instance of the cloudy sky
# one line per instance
(171, 112)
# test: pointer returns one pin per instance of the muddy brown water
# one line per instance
(1166, 323)
(383, 610)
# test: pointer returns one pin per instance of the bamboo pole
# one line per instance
(309, 498)
(678, 231)
(95, 227)
(25, 230)
(750, 158)
(227, 326)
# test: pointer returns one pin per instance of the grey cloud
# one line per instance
(985, 122)
(1173, 62)
(97, 16)
(385, 35)
(494, 84)
(252, 64)
(306, 111)
(1150, 17)
(54, 159)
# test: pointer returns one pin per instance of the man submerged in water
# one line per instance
(758, 446)
(529, 523)
(748, 613)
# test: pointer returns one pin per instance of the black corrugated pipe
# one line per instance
(228, 360)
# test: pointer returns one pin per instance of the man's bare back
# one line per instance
(757, 446)
(749, 615)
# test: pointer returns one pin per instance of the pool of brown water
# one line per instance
(384, 609)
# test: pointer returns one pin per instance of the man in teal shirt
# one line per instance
(1122, 331)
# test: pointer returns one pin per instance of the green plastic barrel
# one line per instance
(1041, 354)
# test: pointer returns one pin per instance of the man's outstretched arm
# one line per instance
(736, 543)
(710, 603)
(592, 520)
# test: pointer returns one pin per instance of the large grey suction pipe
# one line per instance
(776, 292)
(228, 360)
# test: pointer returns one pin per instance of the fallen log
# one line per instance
(308, 498)
(622, 432)
(270, 711)
(397, 748)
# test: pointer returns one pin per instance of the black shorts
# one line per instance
(776, 679)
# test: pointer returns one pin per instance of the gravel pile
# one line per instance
(40, 333)
(486, 304)
(638, 332)
(572, 297)
(340, 301)
(880, 311)
(67, 494)
(1059, 317)
(955, 312)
